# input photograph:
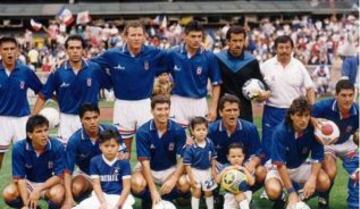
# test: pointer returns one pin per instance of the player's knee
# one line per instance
(329, 167)
(10, 193)
(273, 189)
(138, 183)
(196, 192)
(77, 188)
(183, 184)
(57, 194)
(323, 182)
(260, 174)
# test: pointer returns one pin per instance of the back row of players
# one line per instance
(131, 70)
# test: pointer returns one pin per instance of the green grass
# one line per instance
(338, 193)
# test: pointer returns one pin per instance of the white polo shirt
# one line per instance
(287, 83)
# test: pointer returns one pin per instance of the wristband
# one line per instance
(291, 190)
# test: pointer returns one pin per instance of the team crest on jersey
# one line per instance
(152, 146)
(171, 146)
(50, 164)
(199, 70)
(116, 171)
(146, 65)
(209, 155)
(22, 84)
(88, 82)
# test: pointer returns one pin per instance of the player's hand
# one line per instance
(293, 198)
(250, 167)
(34, 199)
(316, 122)
(168, 186)
(309, 187)
(189, 141)
(155, 196)
(211, 115)
(262, 96)
(25, 207)
(103, 205)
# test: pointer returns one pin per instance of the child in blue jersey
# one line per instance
(236, 156)
(110, 177)
(200, 164)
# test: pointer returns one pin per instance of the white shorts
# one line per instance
(203, 179)
(129, 115)
(231, 203)
(341, 150)
(111, 199)
(299, 175)
(68, 125)
(31, 186)
(183, 109)
(12, 129)
(159, 176)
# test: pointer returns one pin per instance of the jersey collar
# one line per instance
(335, 108)
(125, 50)
(17, 65)
(84, 64)
(29, 146)
(222, 128)
(153, 126)
(85, 136)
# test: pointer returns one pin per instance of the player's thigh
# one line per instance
(6, 133)
(80, 184)
(19, 126)
(329, 165)
(10, 192)
(124, 118)
(55, 193)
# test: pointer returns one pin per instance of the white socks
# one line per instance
(195, 203)
(244, 204)
(209, 202)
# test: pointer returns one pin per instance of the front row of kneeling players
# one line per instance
(39, 162)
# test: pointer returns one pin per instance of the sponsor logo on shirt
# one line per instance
(177, 68)
(64, 85)
(152, 146)
(119, 67)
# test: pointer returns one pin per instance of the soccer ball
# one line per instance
(252, 88)
(298, 205)
(163, 204)
(52, 115)
(327, 133)
(234, 181)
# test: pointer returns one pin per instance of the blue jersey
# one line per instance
(13, 89)
(80, 149)
(72, 90)
(110, 173)
(161, 151)
(199, 157)
(245, 134)
(292, 150)
(27, 164)
(133, 77)
(328, 109)
(191, 74)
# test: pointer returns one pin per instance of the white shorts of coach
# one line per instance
(203, 179)
(341, 150)
(12, 129)
(299, 175)
(183, 109)
(68, 125)
(129, 115)
(231, 203)
(111, 199)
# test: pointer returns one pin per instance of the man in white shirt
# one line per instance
(287, 79)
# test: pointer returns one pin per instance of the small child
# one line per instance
(199, 161)
(110, 177)
(163, 85)
(236, 156)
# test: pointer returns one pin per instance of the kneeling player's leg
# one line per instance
(55, 195)
(138, 183)
(12, 196)
(273, 188)
(182, 184)
(323, 182)
(329, 166)
(260, 174)
(80, 186)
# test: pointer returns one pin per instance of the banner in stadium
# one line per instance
(65, 16)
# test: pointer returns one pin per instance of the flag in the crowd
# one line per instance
(35, 25)
(186, 20)
(65, 16)
(83, 18)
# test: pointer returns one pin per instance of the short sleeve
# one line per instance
(142, 146)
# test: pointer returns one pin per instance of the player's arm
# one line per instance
(19, 173)
(46, 93)
(250, 179)
(22, 188)
(254, 150)
(215, 94)
(308, 84)
(155, 195)
(293, 196)
(126, 184)
(187, 163)
(36, 193)
(310, 185)
(39, 104)
(169, 185)
(70, 164)
(310, 95)
(95, 181)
